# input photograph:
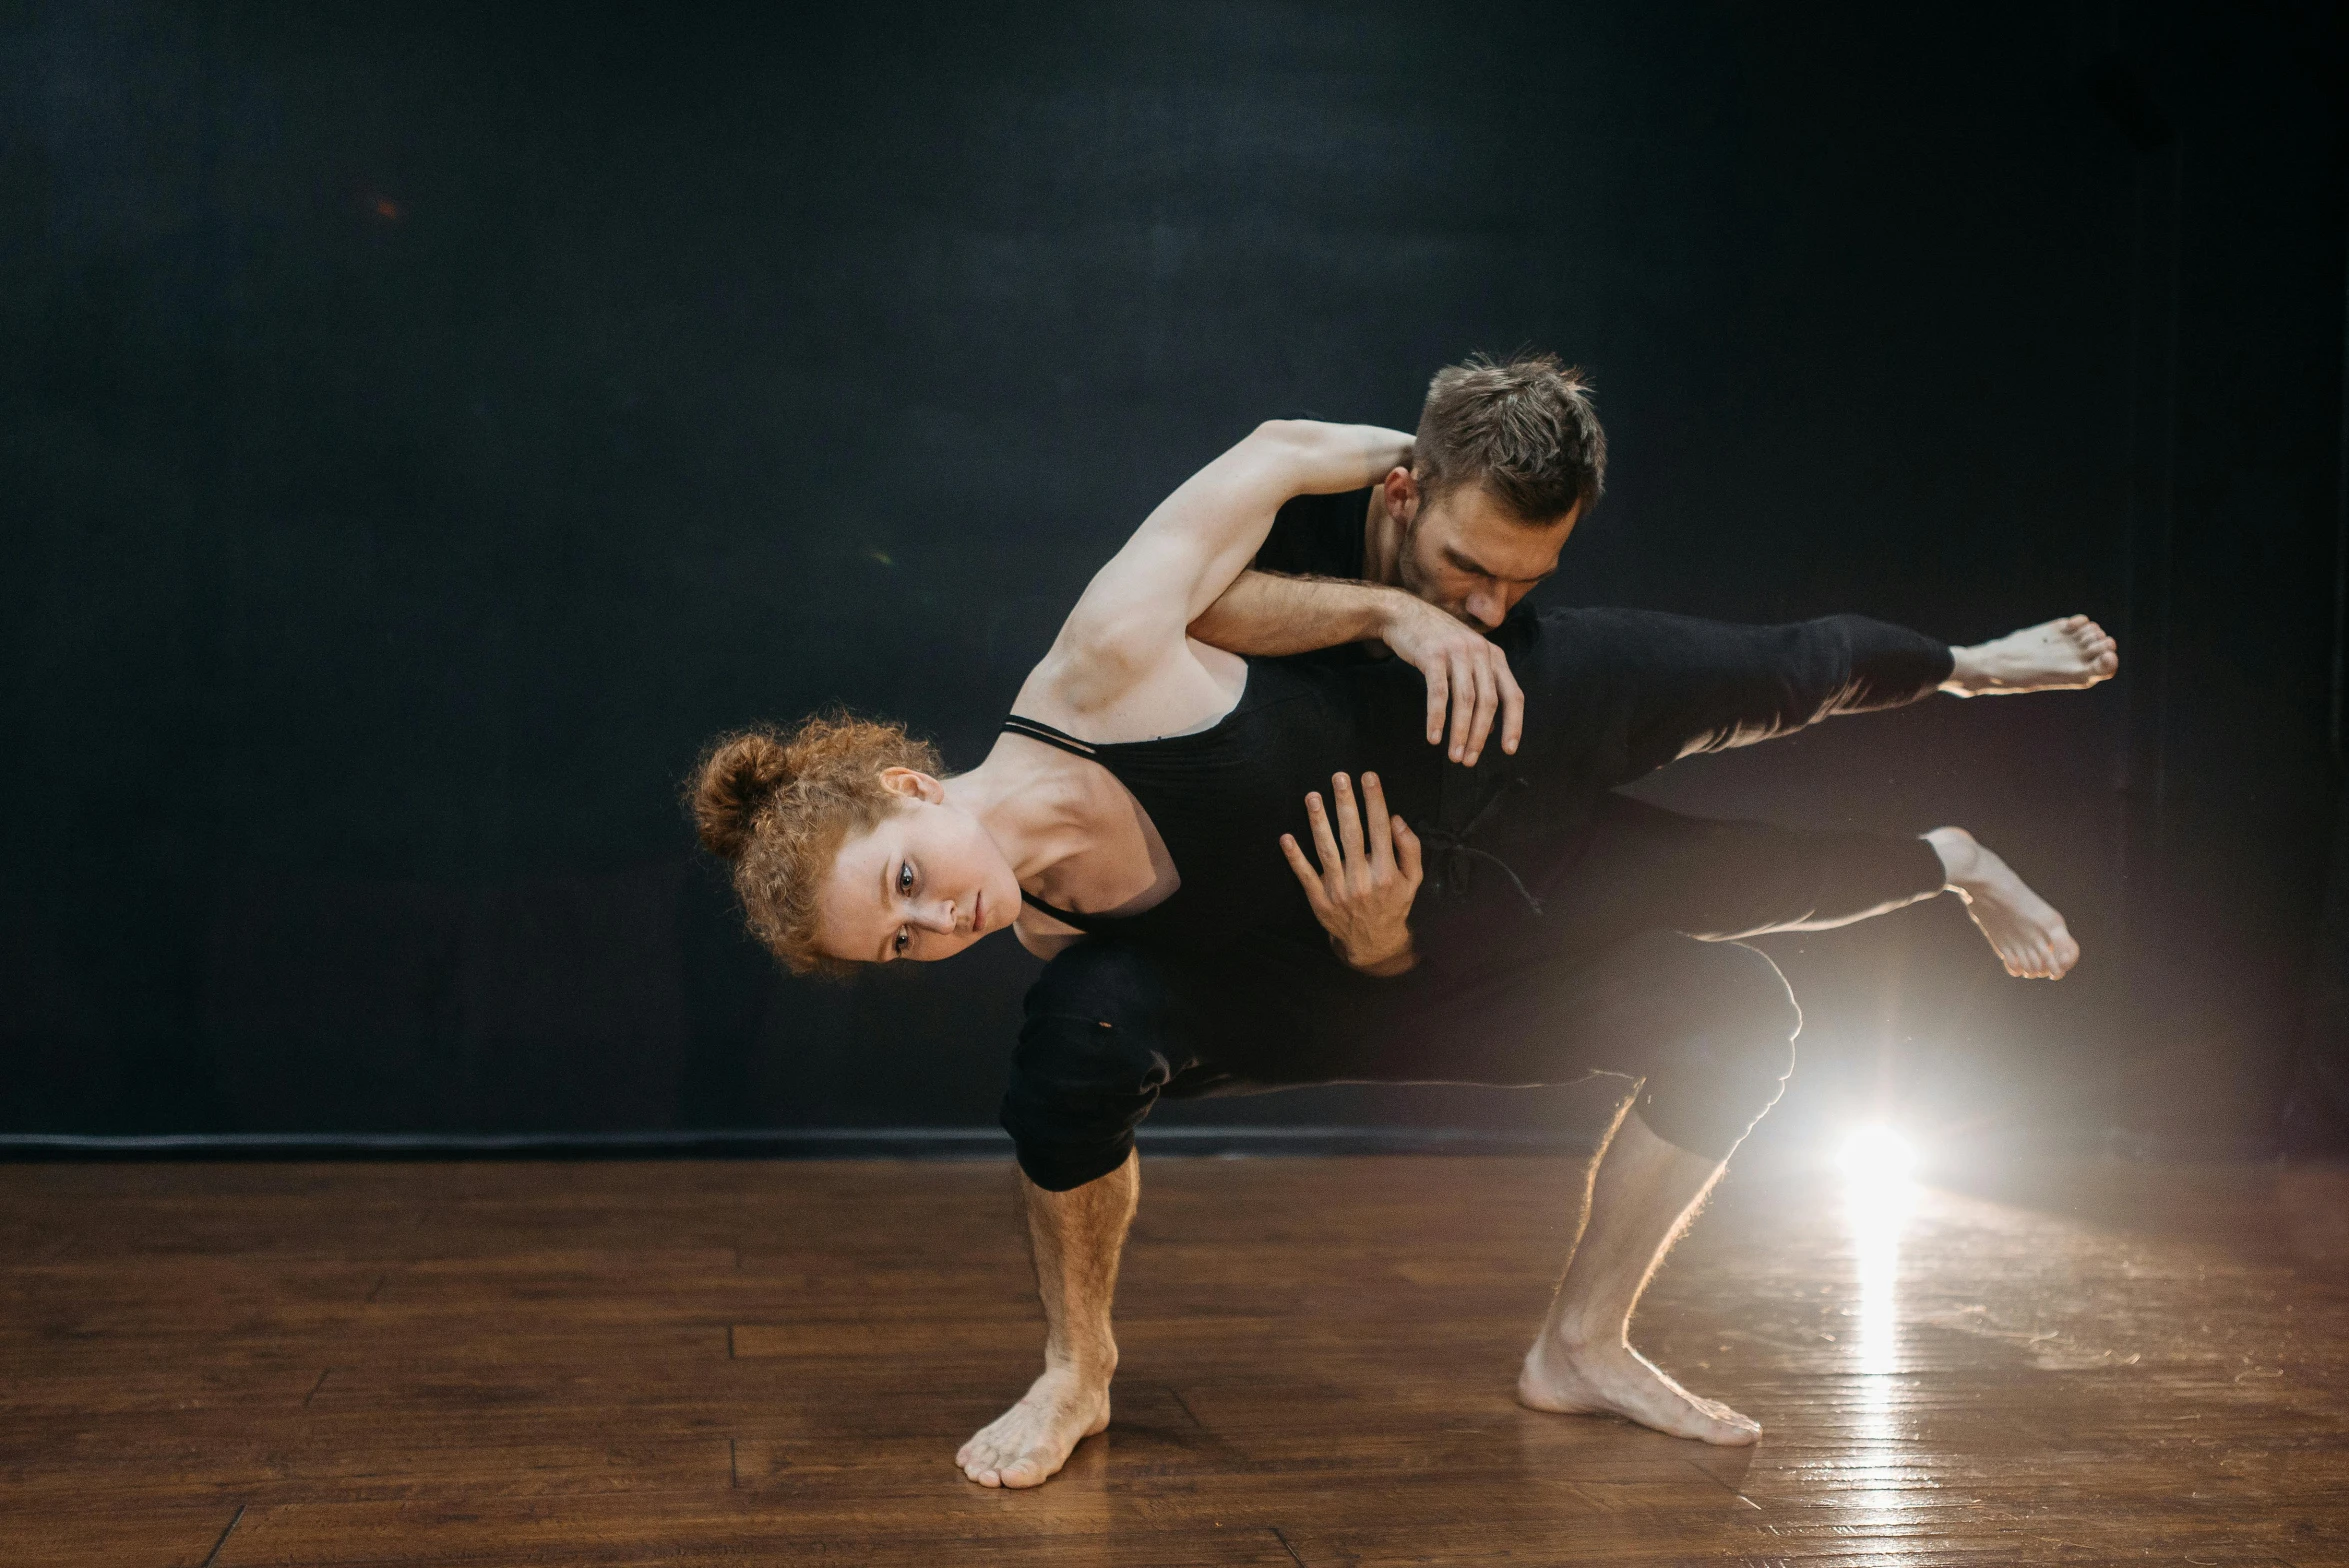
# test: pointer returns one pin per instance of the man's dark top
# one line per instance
(1523, 973)
(1318, 536)
(1558, 927)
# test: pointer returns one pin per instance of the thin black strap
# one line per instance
(1036, 730)
(1067, 917)
(1050, 737)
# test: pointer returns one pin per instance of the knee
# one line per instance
(1731, 1052)
(1753, 1013)
(1088, 1066)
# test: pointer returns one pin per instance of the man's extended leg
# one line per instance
(2029, 937)
(1643, 1193)
(1646, 868)
(2058, 655)
(1077, 1237)
(1611, 695)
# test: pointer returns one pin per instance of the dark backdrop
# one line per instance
(425, 425)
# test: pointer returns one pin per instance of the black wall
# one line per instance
(424, 426)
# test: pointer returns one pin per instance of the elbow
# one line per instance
(1296, 455)
(1290, 437)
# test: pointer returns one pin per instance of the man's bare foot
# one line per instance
(1615, 1379)
(2060, 655)
(1027, 1444)
(2024, 930)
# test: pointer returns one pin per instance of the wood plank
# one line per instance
(678, 1363)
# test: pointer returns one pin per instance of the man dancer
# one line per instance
(1510, 457)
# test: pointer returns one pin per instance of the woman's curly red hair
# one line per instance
(778, 806)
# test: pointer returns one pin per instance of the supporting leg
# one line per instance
(1643, 1193)
(1077, 1237)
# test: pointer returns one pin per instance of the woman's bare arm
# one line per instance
(1131, 622)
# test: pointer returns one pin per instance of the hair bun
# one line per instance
(737, 780)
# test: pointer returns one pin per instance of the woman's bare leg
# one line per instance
(1077, 1237)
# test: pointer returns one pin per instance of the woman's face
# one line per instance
(924, 884)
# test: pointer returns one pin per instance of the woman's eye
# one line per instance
(905, 877)
(904, 940)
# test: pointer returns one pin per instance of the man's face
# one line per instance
(1467, 554)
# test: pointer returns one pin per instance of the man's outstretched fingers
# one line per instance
(1462, 688)
(1480, 717)
(1349, 821)
(1439, 696)
(1406, 851)
(1512, 703)
(1315, 894)
(1374, 807)
(1325, 845)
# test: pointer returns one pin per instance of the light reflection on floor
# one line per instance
(1878, 1203)
(1877, 1212)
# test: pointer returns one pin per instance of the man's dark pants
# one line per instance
(1566, 929)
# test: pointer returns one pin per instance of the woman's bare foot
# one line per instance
(1615, 1379)
(2024, 930)
(2060, 655)
(1027, 1444)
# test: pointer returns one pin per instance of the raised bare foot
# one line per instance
(1027, 1444)
(1617, 1380)
(2024, 930)
(2060, 655)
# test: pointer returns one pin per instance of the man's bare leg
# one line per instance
(2029, 937)
(2060, 655)
(1643, 1193)
(1077, 1237)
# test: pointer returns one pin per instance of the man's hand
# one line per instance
(1362, 894)
(1463, 669)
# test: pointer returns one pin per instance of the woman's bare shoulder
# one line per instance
(1111, 699)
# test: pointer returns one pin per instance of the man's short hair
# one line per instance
(1523, 428)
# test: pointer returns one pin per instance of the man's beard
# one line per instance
(1413, 581)
(1408, 576)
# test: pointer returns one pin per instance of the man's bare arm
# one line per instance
(1271, 616)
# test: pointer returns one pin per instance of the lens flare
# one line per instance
(1877, 1154)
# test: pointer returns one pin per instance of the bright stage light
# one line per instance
(1877, 1155)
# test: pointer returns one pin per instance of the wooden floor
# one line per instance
(738, 1363)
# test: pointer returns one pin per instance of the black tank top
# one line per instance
(1221, 797)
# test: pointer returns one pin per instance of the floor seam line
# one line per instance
(234, 1519)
